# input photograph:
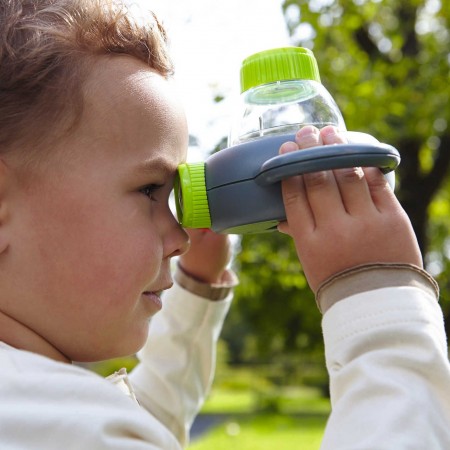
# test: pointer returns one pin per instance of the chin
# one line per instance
(124, 347)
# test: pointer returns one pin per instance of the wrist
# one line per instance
(218, 290)
(202, 276)
(369, 277)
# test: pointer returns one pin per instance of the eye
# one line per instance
(150, 190)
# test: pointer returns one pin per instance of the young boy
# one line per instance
(91, 134)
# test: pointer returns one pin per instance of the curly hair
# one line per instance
(47, 48)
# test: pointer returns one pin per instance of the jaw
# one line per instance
(18, 335)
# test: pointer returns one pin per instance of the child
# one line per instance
(91, 134)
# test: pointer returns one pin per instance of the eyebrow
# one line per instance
(157, 165)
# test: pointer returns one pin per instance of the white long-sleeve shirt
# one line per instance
(387, 358)
(385, 349)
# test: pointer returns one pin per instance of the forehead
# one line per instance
(128, 106)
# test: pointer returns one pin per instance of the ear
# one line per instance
(5, 184)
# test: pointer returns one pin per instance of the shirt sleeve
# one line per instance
(177, 364)
(387, 358)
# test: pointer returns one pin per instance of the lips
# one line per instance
(158, 291)
(155, 296)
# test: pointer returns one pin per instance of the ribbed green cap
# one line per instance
(190, 196)
(278, 64)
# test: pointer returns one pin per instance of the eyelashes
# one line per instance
(150, 190)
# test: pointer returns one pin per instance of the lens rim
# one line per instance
(191, 198)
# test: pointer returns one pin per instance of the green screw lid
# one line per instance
(190, 196)
(278, 64)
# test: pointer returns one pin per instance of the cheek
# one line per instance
(120, 256)
(97, 248)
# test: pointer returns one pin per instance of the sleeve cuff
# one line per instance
(210, 291)
(370, 277)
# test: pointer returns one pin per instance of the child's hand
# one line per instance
(207, 257)
(343, 218)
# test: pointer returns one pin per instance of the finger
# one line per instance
(354, 191)
(295, 201)
(307, 137)
(351, 181)
(381, 193)
(208, 238)
(331, 135)
(321, 187)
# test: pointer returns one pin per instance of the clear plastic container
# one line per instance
(281, 92)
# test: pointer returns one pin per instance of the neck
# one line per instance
(18, 335)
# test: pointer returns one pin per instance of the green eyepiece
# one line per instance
(191, 199)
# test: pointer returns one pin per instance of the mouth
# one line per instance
(155, 296)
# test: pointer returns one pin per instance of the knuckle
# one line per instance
(350, 175)
(381, 191)
(316, 179)
(331, 135)
(307, 137)
(292, 191)
(375, 179)
(309, 141)
(290, 199)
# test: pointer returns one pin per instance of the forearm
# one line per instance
(386, 354)
(178, 361)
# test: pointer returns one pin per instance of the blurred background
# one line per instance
(387, 64)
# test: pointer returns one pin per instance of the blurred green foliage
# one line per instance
(265, 432)
(110, 366)
(274, 312)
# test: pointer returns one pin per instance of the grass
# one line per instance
(264, 432)
(285, 418)
(287, 400)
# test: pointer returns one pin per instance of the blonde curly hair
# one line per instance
(47, 48)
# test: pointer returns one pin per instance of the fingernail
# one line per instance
(288, 147)
(307, 130)
(329, 130)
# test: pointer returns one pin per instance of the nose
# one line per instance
(176, 241)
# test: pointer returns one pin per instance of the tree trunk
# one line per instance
(418, 190)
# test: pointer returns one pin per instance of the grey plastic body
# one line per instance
(243, 182)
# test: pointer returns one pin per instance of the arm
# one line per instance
(386, 355)
(178, 361)
(385, 343)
